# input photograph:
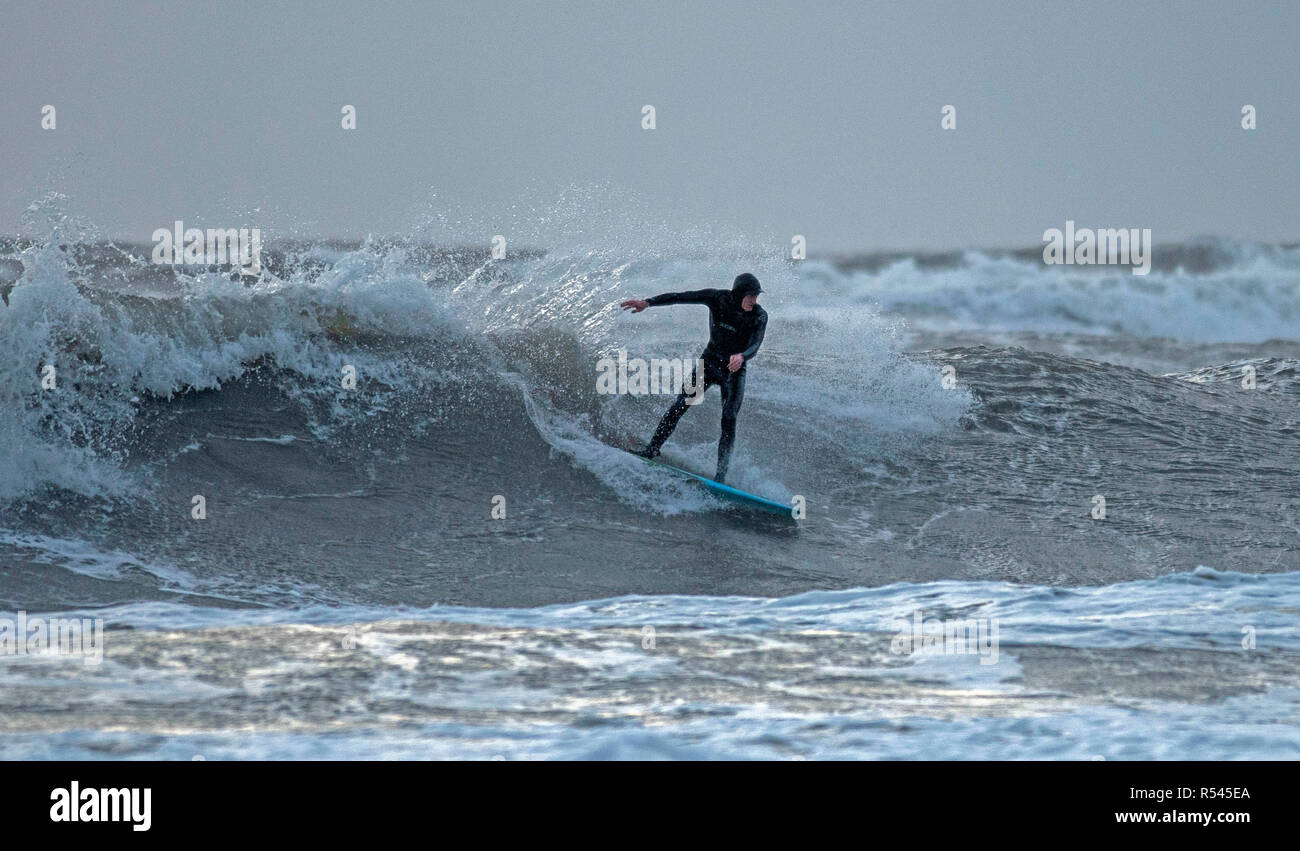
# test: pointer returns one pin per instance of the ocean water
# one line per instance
(350, 594)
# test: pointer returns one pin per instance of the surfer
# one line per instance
(736, 326)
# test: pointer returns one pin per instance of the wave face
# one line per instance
(476, 387)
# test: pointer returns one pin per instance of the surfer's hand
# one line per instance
(736, 362)
(636, 305)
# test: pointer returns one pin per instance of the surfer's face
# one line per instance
(748, 302)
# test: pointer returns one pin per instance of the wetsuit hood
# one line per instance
(745, 284)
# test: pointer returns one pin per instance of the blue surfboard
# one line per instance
(727, 491)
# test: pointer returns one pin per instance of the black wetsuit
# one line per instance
(732, 330)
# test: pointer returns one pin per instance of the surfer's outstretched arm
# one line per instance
(636, 305)
(688, 297)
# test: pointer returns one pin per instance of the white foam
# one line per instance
(87, 559)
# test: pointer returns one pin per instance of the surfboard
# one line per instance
(726, 491)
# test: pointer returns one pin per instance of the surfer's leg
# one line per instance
(733, 393)
(666, 426)
(669, 421)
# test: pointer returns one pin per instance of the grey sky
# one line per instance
(773, 118)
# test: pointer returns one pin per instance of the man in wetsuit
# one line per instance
(736, 326)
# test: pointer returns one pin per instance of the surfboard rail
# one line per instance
(727, 491)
